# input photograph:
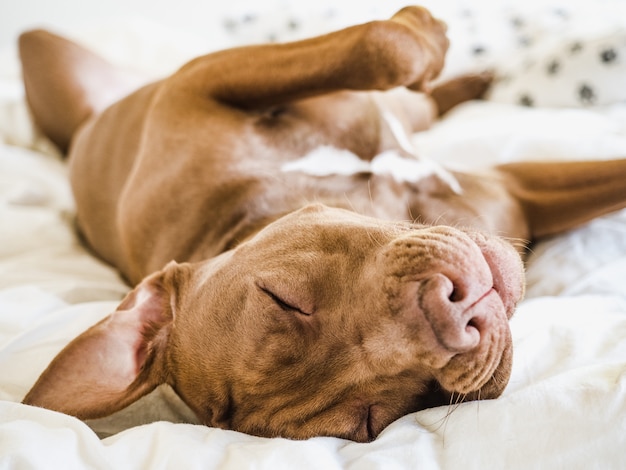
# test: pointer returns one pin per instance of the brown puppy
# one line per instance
(284, 318)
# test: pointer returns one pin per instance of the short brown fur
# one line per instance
(281, 318)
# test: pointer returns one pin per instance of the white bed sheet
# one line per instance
(565, 406)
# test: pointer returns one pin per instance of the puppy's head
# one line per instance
(324, 323)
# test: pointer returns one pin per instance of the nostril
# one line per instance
(453, 311)
(455, 295)
(473, 325)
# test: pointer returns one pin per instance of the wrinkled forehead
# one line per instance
(307, 246)
(326, 230)
(317, 220)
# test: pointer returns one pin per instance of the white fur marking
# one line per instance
(397, 130)
(404, 142)
(410, 167)
(326, 160)
(404, 164)
(401, 168)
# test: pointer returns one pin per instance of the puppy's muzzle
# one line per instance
(455, 293)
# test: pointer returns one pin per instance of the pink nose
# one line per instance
(458, 310)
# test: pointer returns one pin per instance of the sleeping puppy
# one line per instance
(276, 299)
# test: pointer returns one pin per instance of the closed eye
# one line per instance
(287, 307)
(371, 431)
(365, 431)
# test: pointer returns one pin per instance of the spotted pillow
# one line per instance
(573, 72)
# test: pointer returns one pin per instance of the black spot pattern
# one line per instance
(553, 68)
(576, 47)
(586, 94)
(479, 50)
(608, 56)
(518, 22)
(526, 100)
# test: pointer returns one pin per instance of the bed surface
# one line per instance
(565, 406)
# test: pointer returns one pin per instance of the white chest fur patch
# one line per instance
(326, 161)
(402, 168)
(403, 164)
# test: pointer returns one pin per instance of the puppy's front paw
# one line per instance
(431, 35)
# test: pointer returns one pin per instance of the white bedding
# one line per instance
(565, 406)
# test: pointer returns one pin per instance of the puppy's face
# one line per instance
(331, 323)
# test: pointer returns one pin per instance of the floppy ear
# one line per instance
(116, 361)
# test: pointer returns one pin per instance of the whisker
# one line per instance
(519, 242)
(456, 400)
(478, 408)
(350, 203)
(375, 240)
(410, 211)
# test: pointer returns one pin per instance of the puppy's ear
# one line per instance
(66, 83)
(116, 361)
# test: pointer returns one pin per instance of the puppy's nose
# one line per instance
(457, 310)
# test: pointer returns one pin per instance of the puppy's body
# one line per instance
(294, 322)
(236, 183)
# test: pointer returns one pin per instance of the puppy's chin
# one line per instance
(437, 395)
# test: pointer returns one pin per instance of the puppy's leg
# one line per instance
(558, 196)
(404, 53)
(407, 50)
(460, 89)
